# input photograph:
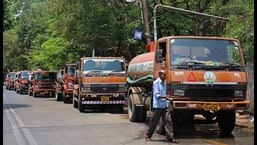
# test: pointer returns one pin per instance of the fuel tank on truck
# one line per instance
(141, 66)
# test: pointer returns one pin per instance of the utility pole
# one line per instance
(144, 17)
(146, 20)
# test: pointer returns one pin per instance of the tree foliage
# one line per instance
(51, 33)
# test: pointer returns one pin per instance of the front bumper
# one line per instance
(211, 106)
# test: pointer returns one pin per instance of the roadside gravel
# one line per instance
(245, 121)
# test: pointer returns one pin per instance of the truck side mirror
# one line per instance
(77, 65)
(245, 59)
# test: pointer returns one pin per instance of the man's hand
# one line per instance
(169, 98)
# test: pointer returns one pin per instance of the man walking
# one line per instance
(161, 109)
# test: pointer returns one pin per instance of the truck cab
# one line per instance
(42, 82)
(22, 81)
(100, 83)
(9, 81)
(64, 83)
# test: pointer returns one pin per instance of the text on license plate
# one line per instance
(105, 99)
(211, 106)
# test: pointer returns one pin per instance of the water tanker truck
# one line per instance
(205, 75)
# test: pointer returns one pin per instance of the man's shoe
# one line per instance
(147, 138)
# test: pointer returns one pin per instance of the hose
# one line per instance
(145, 79)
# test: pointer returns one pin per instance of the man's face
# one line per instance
(163, 76)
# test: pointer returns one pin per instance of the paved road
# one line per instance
(44, 121)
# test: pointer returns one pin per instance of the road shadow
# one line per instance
(14, 106)
(196, 130)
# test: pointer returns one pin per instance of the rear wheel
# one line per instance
(135, 113)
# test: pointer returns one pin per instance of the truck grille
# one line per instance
(209, 92)
(104, 87)
(45, 84)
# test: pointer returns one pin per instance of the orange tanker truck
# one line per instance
(22, 82)
(42, 82)
(100, 83)
(64, 83)
(205, 75)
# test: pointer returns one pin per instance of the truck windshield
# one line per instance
(45, 76)
(11, 75)
(103, 65)
(204, 52)
(71, 69)
(25, 75)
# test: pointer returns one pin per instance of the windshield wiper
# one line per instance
(230, 64)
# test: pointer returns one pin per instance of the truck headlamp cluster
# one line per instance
(238, 93)
(85, 89)
(179, 92)
(115, 95)
(70, 85)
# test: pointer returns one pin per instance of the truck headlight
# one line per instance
(70, 85)
(85, 89)
(179, 92)
(238, 93)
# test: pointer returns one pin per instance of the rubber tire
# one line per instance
(64, 98)
(34, 94)
(20, 91)
(58, 96)
(29, 93)
(75, 103)
(226, 121)
(81, 106)
(135, 113)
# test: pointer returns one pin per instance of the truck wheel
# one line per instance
(30, 93)
(17, 91)
(20, 91)
(135, 113)
(34, 94)
(80, 105)
(226, 121)
(58, 96)
(120, 108)
(64, 98)
(75, 103)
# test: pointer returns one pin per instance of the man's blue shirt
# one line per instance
(159, 89)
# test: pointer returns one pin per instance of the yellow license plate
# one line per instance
(46, 92)
(105, 99)
(211, 106)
